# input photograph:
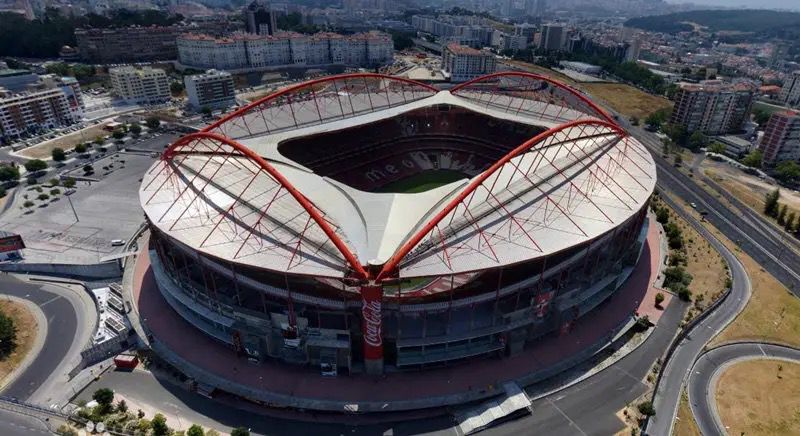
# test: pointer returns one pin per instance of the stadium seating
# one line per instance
(371, 156)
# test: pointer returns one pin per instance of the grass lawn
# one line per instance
(768, 108)
(759, 397)
(626, 99)
(44, 150)
(27, 329)
(424, 181)
(685, 424)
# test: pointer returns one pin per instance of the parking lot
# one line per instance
(106, 209)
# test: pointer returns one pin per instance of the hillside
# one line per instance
(763, 23)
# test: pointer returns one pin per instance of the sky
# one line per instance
(766, 4)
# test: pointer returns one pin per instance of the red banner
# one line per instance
(371, 302)
(11, 243)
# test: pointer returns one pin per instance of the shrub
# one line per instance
(59, 155)
(43, 197)
(659, 299)
(55, 192)
(69, 182)
(646, 408)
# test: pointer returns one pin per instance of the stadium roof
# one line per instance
(228, 192)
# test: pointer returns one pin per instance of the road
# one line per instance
(766, 248)
(62, 324)
(676, 369)
(702, 382)
(17, 424)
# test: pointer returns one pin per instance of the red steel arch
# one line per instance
(173, 149)
(603, 114)
(401, 253)
(308, 84)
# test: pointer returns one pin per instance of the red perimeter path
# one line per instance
(304, 382)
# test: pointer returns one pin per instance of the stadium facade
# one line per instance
(371, 223)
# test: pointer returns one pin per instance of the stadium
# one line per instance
(368, 223)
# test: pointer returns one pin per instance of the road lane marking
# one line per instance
(571, 422)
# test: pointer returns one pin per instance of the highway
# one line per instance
(767, 248)
(702, 382)
(62, 324)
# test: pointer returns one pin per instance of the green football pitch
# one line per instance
(423, 181)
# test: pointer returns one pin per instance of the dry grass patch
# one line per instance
(759, 397)
(685, 425)
(67, 142)
(543, 71)
(772, 314)
(626, 99)
(27, 330)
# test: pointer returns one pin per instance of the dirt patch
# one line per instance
(67, 142)
(27, 329)
(536, 69)
(626, 99)
(685, 425)
(759, 397)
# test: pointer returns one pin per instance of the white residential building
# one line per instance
(31, 112)
(790, 93)
(141, 86)
(463, 63)
(248, 52)
(214, 90)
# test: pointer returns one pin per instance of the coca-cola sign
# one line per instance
(372, 322)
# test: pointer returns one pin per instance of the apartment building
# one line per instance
(33, 111)
(243, 52)
(712, 107)
(214, 90)
(140, 85)
(553, 38)
(781, 140)
(790, 92)
(464, 63)
(138, 44)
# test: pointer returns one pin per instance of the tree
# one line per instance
(8, 335)
(206, 111)
(99, 140)
(676, 133)
(175, 88)
(118, 134)
(782, 215)
(80, 148)
(59, 155)
(240, 431)
(35, 165)
(659, 299)
(88, 169)
(717, 147)
(697, 141)
(8, 173)
(761, 117)
(135, 129)
(678, 159)
(55, 192)
(122, 406)
(195, 430)
(753, 159)
(646, 408)
(104, 398)
(789, 226)
(69, 182)
(28, 204)
(152, 122)
(788, 172)
(662, 215)
(771, 203)
(159, 425)
(43, 197)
